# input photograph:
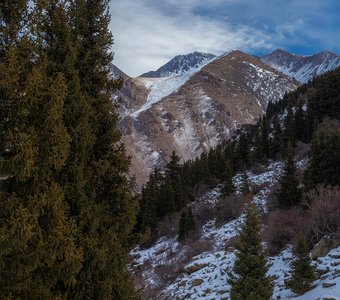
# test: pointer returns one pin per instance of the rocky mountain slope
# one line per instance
(181, 64)
(198, 270)
(302, 68)
(192, 112)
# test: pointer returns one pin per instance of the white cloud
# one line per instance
(147, 37)
(150, 32)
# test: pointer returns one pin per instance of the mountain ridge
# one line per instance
(302, 67)
(181, 64)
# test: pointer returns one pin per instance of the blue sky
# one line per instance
(148, 33)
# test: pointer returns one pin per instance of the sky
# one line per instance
(148, 33)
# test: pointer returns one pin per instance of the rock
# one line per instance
(328, 298)
(197, 282)
(336, 272)
(335, 263)
(317, 275)
(328, 284)
(322, 270)
(335, 254)
(322, 247)
(194, 268)
(182, 283)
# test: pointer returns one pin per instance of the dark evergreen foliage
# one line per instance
(289, 193)
(249, 279)
(187, 225)
(325, 156)
(302, 270)
(65, 201)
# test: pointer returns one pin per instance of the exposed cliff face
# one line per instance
(302, 68)
(192, 112)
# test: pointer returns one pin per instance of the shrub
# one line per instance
(283, 226)
(229, 208)
(323, 204)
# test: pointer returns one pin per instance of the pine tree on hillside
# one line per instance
(148, 216)
(228, 186)
(244, 184)
(187, 224)
(324, 156)
(174, 177)
(275, 142)
(106, 215)
(299, 123)
(166, 200)
(248, 279)
(288, 138)
(289, 193)
(264, 137)
(302, 270)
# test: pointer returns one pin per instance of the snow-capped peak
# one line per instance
(303, 68)
(181, 64)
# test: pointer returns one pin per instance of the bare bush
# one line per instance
(229, 208)
(257, 168)
(301, 150)
(282, 227)
(197, 247)
(323, 205)
(168, 227)
(204, 213)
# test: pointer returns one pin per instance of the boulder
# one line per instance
(335, 254)
(322, 247)
(197, 282)
(194, 268)
(322, 269)
(328, 297)
(328, 284)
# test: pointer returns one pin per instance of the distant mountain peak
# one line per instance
(302, 67)
(181, 64)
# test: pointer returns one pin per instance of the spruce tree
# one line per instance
(248, 279)
(302, 270)
(288, 138)
(228, 186)
(275, 142)
(244, 184)
(324, 156)
(187, 224)
(289, 193)
(174, 177)
(299, 123)
(148, 216)
(106, 213)
(39, 256)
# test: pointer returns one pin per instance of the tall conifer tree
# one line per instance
(107, 214)
(249, 279)
(289, 193)
(39, 257)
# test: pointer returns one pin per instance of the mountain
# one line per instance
(115, 72)
(191, 113)
(181, 64)
(200, 266)
(302, 68)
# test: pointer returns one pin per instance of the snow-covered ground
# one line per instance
(204, 276)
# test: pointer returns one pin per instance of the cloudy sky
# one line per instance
(148, 33)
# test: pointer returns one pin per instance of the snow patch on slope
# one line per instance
(165, 86)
